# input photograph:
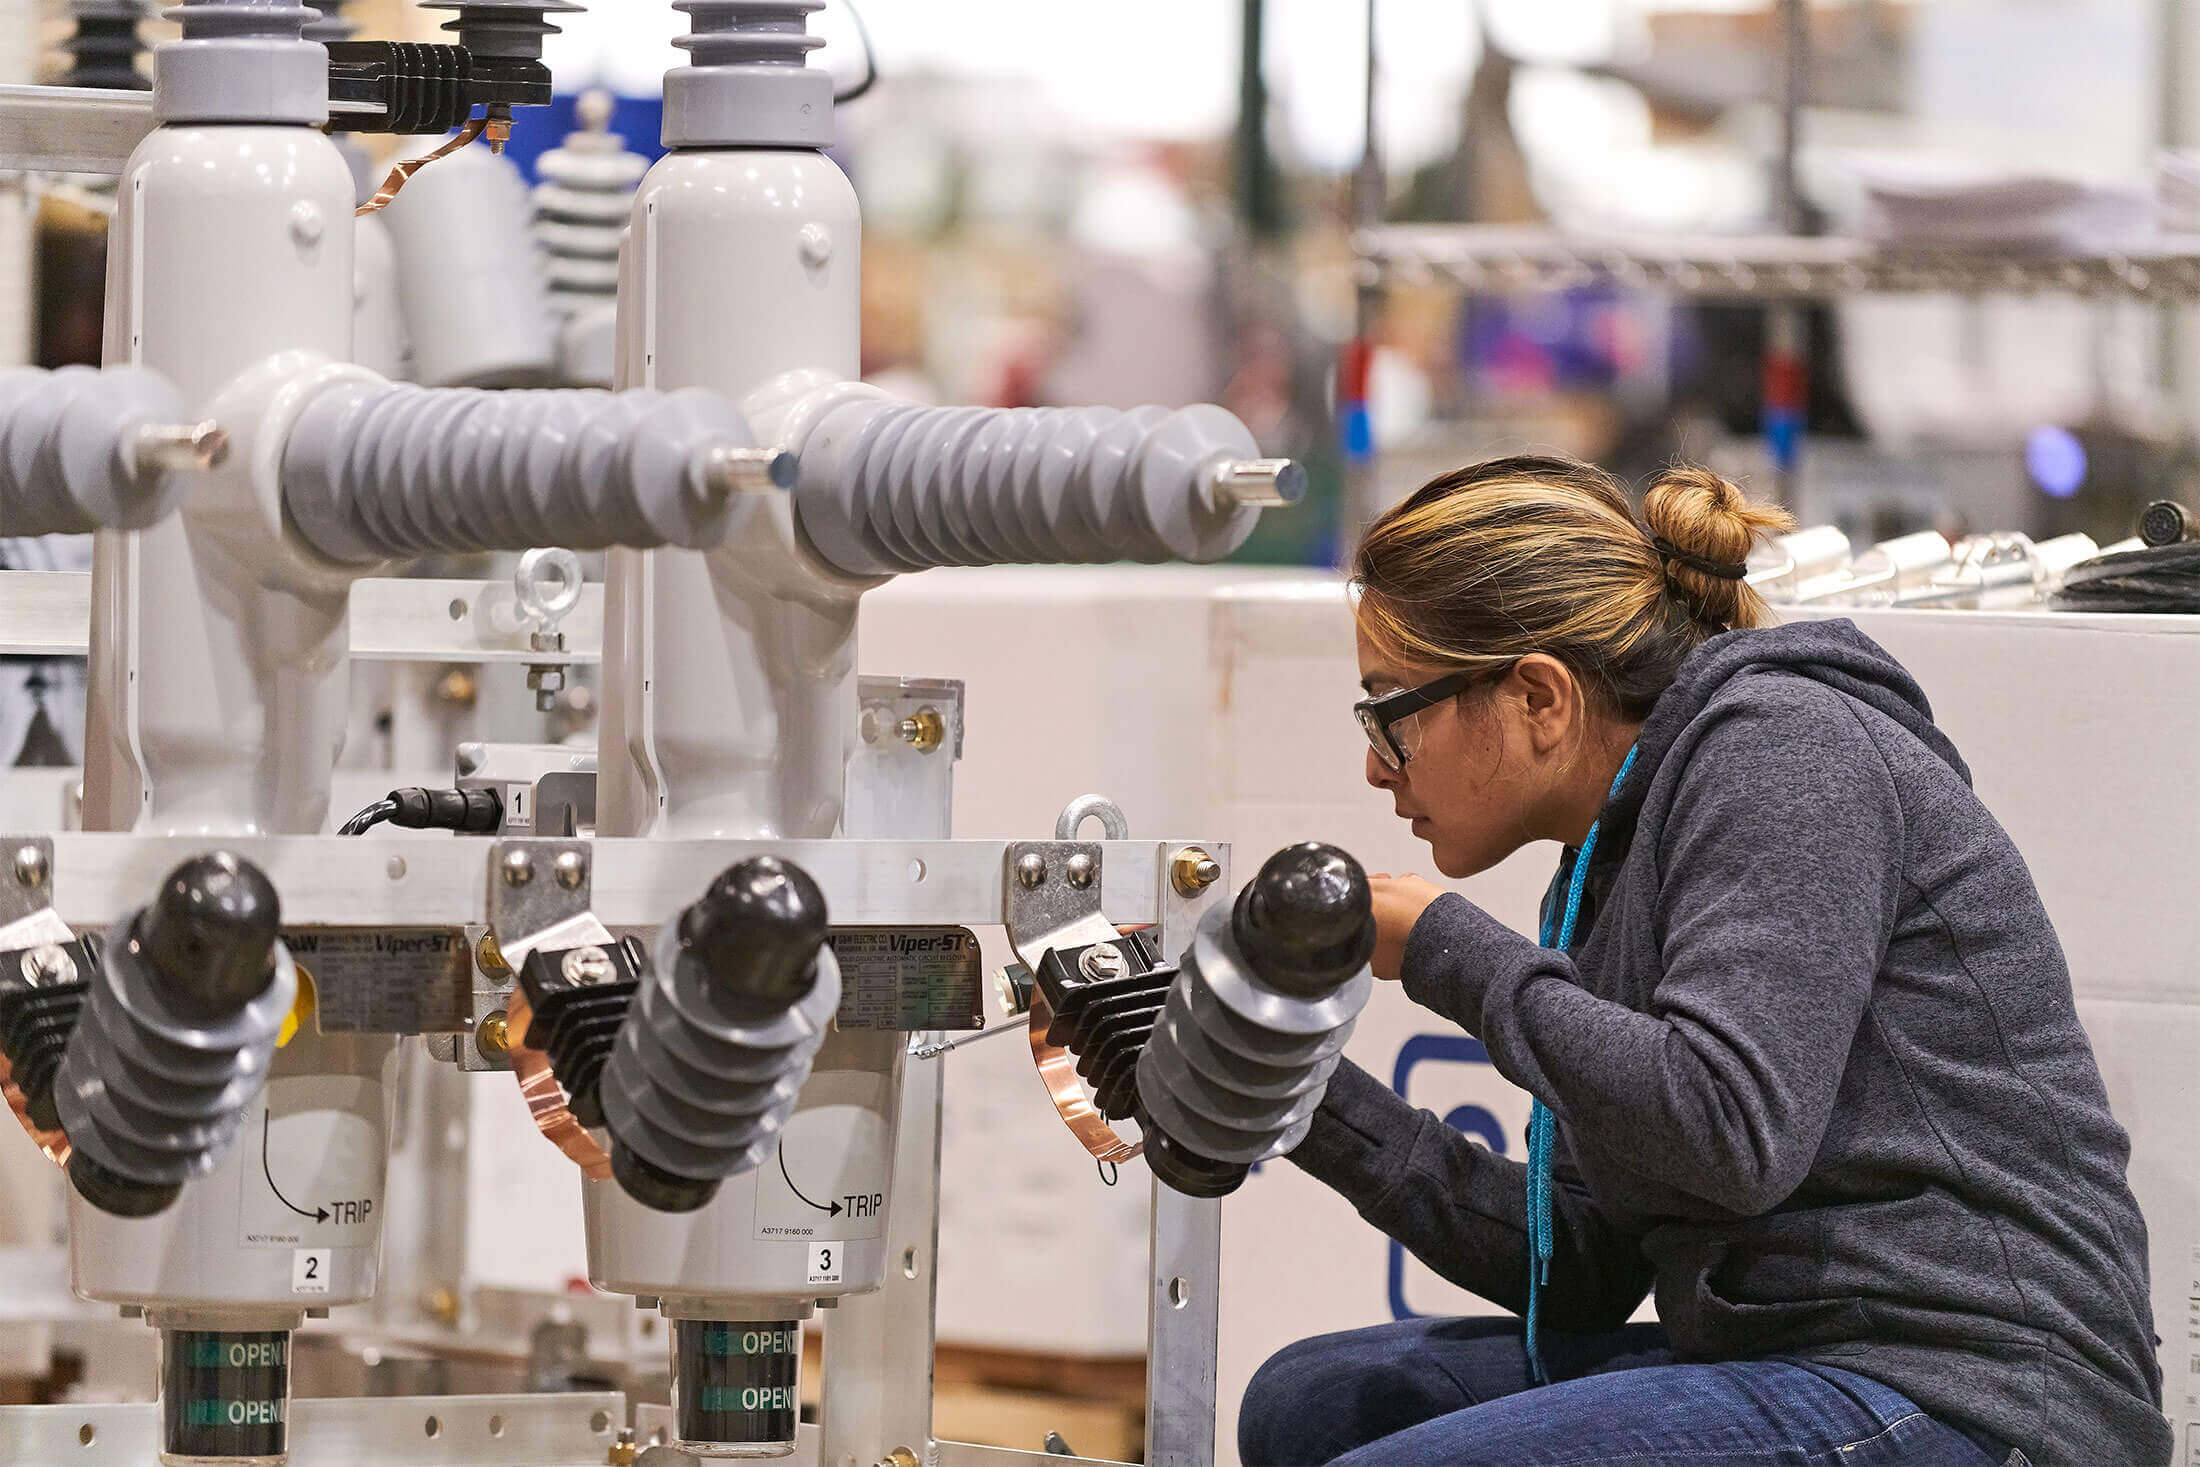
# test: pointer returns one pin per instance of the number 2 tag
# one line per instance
(826, 1262)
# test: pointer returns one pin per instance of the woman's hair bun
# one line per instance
(1704, 518)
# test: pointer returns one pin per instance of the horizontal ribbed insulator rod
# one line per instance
(377, 469)
(888, 487)
(83, 449)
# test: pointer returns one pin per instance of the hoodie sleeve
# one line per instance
(1463, 1211)
(1780, 873)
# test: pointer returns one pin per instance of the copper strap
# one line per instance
(405, 170)
(53, 1143)
(545, 1098)
(1058, 1072)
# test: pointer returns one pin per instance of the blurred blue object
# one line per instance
(536, 130)
(2056, 460)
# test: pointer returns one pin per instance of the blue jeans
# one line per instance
(1457, 1393)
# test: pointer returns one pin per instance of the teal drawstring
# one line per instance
(1558, 932)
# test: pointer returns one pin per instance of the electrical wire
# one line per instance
(404, 171)
(2162, 578)
(870, 58)
(368, 818)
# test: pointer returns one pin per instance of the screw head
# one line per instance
(490, 958)
(493, 1036)
(1080, 871)
(1031, 871)
(587, 965)
(519, 867)
(1105, 960)
(30, 866)
(48, 963)
(572, 869)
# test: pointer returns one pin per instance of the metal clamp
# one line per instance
(539, 894)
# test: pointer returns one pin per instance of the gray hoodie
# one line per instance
(1817, 1069)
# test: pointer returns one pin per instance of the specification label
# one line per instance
(909, 978)
(405, 980)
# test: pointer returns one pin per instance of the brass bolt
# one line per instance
(899, 1457)
(624, 1450)
(493, 1036)
(923, 730)
(490, 958)
(1192, 871)
(441, 1304)
(457, 688)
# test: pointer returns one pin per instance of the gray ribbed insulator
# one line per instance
(240, 61)
(150, 1095)
(1236, 1066)
(890, 487)
(376, 469)
(503, 27)
(333, 25)
(748, 82)
(581, 209)
(68, 450)
(698, 1089)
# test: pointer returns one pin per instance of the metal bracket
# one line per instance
(1050, 897)
(539, 895)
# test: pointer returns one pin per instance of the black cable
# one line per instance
(2162, 578)
(870, 59)
(368, 818)
(469, 812)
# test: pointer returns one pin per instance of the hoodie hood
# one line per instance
(1834, 653)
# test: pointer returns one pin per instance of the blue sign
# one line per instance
(1471, 1120)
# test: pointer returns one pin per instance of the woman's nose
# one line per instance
(1381, 775)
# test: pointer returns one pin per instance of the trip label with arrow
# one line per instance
(313, 1156)
(829, 1178)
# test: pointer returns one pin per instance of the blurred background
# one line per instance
(1168, 201)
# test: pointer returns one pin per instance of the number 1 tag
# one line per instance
(826, 1262)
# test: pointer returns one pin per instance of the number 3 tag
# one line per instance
(825, 1262)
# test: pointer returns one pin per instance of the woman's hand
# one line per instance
(1399, 903)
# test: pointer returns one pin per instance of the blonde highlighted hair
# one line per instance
(1486, 564)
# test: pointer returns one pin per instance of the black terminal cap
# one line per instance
(756, 932)
(1307, 922)
(653, 1186)
(1183, 1170)
(118, 1195)
(209, 936)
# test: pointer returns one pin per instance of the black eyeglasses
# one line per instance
(1380, 715)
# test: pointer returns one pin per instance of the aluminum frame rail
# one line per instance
(1499, 259)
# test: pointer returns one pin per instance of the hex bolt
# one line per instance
(1101, 961)
(1192, 871)
(1263, 483)
(1081, 870)
(493, 1036)
(158, 448)
(490, 958)
(587, 965)
(572, 869)
(30, 866)
(1031, 871)
(519, 867)
(48, 963)
(724, 471)
(923, 730)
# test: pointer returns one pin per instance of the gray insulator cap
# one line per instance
(67, 450)
(503, 27)
(703, 1077)
(150, 1095)
(889, 487)
(241, 61)
(378, 469)
(1236, 1066)
(748, 83)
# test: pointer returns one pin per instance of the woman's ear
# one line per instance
(1543, 697)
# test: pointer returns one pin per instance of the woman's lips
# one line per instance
(1418, 822)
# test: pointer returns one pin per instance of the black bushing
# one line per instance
(1306, 923)
(1186, 1171)
(209, 936)
(756, 933)
(653, 1186)
(116, 1194)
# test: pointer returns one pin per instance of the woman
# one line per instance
(1807, 1041)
